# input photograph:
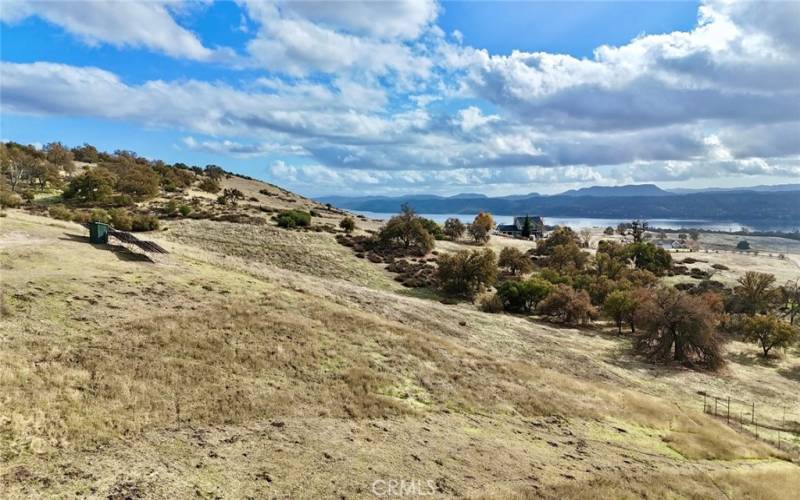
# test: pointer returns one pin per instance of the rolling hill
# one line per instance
(255, 361)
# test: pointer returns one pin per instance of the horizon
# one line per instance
(418, 96)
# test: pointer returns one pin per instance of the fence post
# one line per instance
(729, 410)
(753, 414)
(705, 410)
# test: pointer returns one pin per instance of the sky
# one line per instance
(398, 97)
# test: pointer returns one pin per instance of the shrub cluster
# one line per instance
(293, 218)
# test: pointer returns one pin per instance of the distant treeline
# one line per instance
(773, 234)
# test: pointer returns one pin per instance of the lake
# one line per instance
(581, 222)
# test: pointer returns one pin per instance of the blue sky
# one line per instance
(417, 96)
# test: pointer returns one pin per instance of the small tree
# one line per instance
(619, 306)
(525, 295)
(139, 181)
(454, 228)
(481, 227)
(231, 196)
(608, 231)
(743, 245)
(650, 257)
(562, 235)
(406, 232)
(694, 234)
(94, 185)
(466, 273)
(60, 156)
(568, 305)
(755, 293)
(790, 300)
(768, 332)
(526, 227)
(678, 326)
(348, 224)
(638, 228)
(86, 153)
(514, 261)
(586, 237)
(214, 172)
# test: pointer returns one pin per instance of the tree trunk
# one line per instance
(679, 354)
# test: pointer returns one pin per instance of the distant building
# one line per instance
(515, 230)
(671, 244)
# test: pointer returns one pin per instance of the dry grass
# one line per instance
(205, 374)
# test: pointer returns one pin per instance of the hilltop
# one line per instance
(258, 361)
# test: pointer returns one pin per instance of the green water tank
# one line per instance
(98, 233)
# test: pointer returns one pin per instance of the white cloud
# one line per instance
(728, 68)
(290, 41)
(134, 24)
(375, 97)
(401, 19)
(242, 150)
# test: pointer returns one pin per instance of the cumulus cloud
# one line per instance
(135, 24)
(301, 38)
(373, 96)
(399, 19)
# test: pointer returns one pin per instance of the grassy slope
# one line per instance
(257, 362)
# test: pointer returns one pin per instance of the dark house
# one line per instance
(515, 229)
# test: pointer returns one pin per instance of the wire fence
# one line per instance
(768, 423)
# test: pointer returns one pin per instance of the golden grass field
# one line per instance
(255, 362)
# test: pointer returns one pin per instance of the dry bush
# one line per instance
(490, 303)
(569, 306)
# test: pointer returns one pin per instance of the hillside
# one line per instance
(255, 361)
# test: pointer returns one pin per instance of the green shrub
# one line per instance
(171, 208)
(123, 200)
(524, 295)
(293, 218)
(143, 222)
(466, 273)
(185, 210)
(60, 212)
(314, 213)
(99, 215)
(28, 195)
(93, 186)
(121, 219)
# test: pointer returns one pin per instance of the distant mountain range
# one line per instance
(621, 191)
(761, 189)
(774, 203)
